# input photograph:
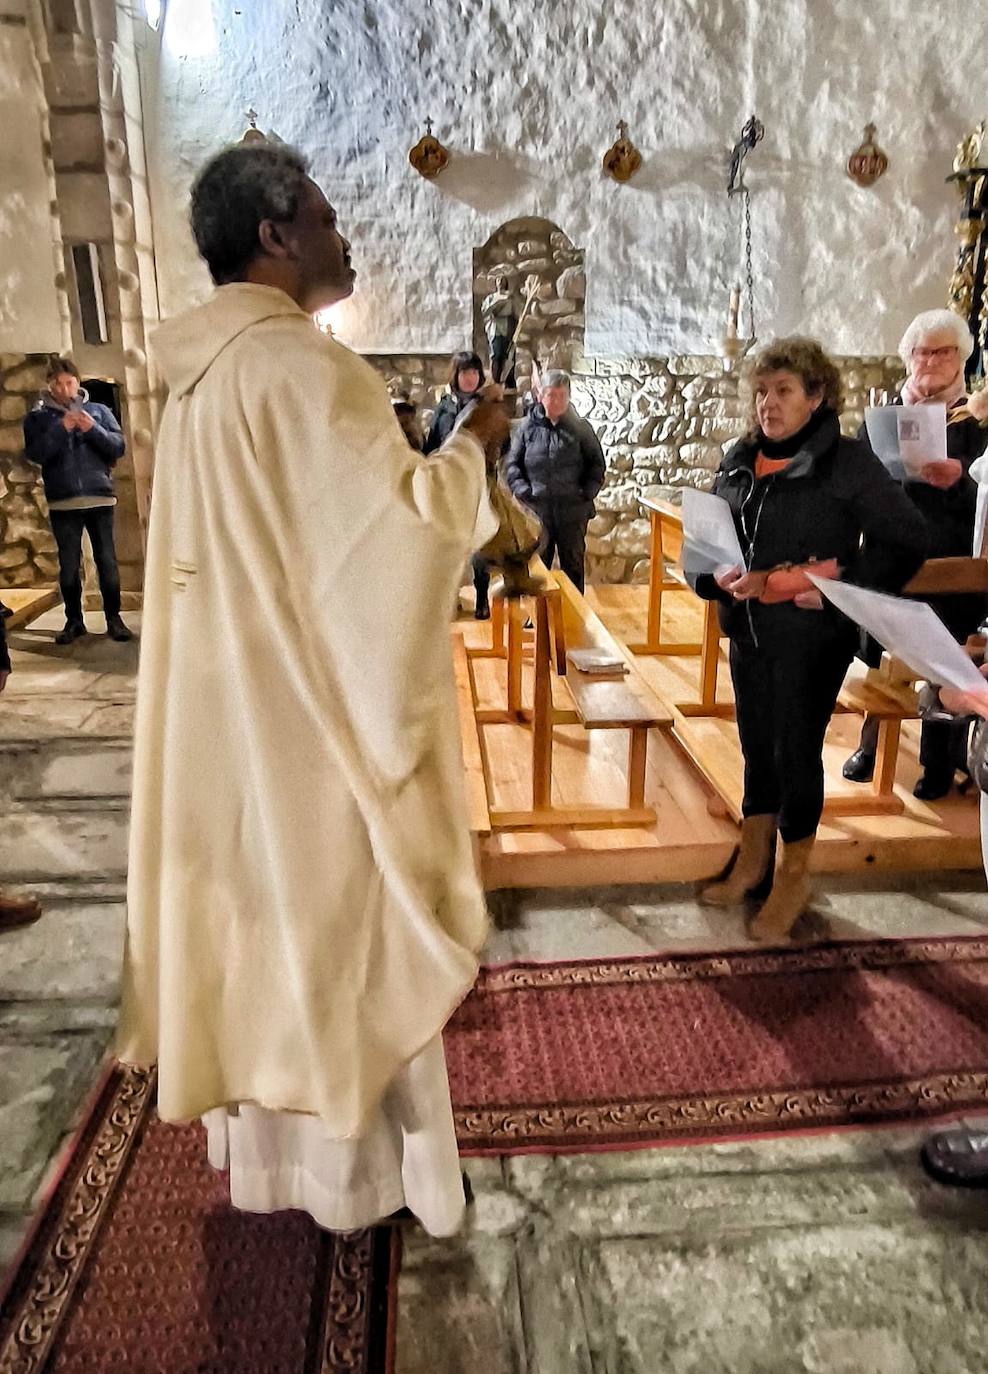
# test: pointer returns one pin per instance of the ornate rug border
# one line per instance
(72, 1222)
(848, 955)
(572, 1129)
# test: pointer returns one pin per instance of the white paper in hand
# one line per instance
(906, 438)
(710, 540)
(908, 629)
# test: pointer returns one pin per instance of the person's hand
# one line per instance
(487, 423)
(748, 587)
(943, 473)
(85, 422)
(966, 703)
(809, 601)
(725, 576)
(69, 420)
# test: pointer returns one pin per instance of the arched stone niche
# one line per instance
(533, 251)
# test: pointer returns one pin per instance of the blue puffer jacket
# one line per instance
(73, 463)
(555, 468)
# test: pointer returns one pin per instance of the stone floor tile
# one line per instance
(67, 844)
(41, 1087)
(73, 952)
(459, 1308)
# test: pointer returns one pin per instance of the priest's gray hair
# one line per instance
(556, 377)
(233, 193)
(933, 322)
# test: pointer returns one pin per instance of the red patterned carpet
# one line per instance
(140, 1266)
(632, 1052)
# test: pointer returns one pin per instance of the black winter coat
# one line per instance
(73, 463)
(833, 500)
(447, 412)
(949, 516)
(557, 469)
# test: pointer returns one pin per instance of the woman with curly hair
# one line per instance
(801, 494)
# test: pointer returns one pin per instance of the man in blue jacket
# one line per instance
(76, 443)
(556, 466)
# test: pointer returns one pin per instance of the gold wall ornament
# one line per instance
(968, 290)
(868, 162)
(622, 159)
(428, 157)
(253, 133)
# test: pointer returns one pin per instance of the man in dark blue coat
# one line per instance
(76, 443)
(556, 466)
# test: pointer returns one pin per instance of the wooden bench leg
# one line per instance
(637, 753)
(656, 576)
(886, 756)
(555, 600)
(515, 647)
(542, 711)
(497, 627)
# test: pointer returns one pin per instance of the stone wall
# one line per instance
(27, 549)
(663, 422)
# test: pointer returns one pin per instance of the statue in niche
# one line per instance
(968, 154)
(501, 326)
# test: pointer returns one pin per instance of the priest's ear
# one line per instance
(276, 238)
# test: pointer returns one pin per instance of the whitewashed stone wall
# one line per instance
(527, 100)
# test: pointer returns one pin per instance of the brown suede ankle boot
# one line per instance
(754, 855)
(789, 897)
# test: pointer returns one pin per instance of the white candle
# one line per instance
(733, 311)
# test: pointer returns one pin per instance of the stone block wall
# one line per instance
(663, 422)
(27, 549)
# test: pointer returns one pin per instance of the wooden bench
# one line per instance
(562, 619)
(27, 604)
(886, 693)
(666, 544)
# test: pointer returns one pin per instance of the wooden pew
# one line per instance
(27, 603)
(667, 543)
(562, 619)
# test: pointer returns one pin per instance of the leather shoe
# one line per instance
(116, 629)
(483, 612)
(74, 629)
(933, 786)
(18, 911)
(958, 1157)
(860, 767)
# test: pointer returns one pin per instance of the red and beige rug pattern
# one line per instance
(674, 1048)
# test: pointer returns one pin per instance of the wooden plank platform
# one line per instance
(693, 834)
(27, 603)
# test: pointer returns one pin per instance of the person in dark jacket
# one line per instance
(934, 349)
(466, 377)
(800, 493)
(14, 911)
(76, 443)
(556, 466)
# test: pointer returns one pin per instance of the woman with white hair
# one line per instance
(934, 350)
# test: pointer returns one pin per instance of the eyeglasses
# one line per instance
(931, 353)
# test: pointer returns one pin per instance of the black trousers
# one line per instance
(566, 536)
(784, 703)
(67, 527)
(481, 578)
